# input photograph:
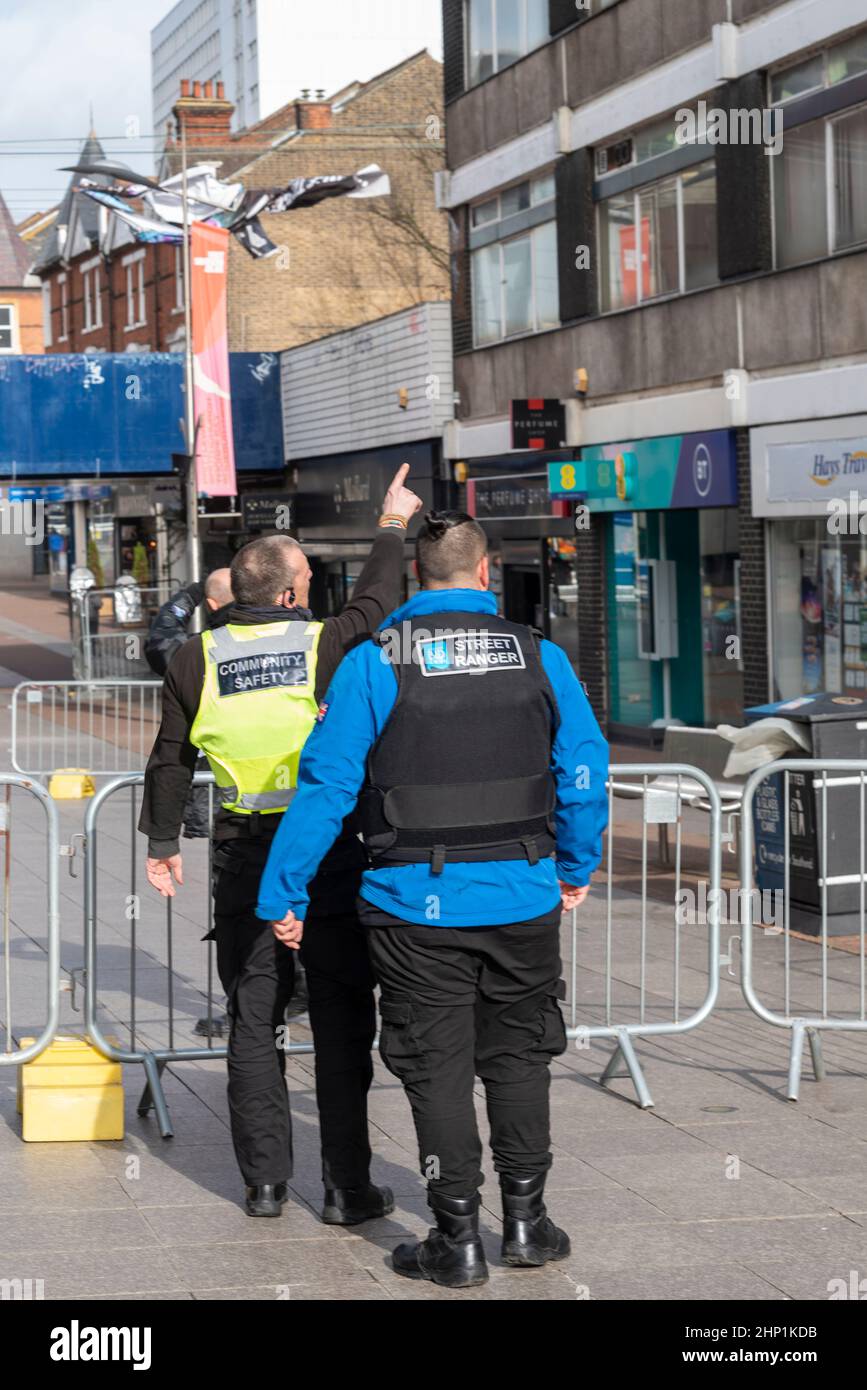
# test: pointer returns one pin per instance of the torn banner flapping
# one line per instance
(219, 204)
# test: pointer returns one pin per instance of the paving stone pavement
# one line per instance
(723, 1191)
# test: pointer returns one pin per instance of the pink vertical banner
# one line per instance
(215, 458)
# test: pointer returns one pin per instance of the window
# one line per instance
(64, 308)
(515, 284)
(816, 215)
(819, 620)
(7, 327)
(652, 141)
(660, 137)
(179, 278)
(542, 190)
(660, 239)
(520, 198)
(47, 333)
(837, 64)
(486, 212)
(849, 140)
(135, 290)
(91, 279)
(499, 32)
(797, 81)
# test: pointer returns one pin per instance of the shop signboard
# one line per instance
(815, 472)
(512, 496)
(538, 424)
(671, 471)
(340, 498)
(262, 511)
(61, 492)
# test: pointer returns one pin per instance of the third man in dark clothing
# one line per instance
(168, 632)
(171, 627)
(247, 694)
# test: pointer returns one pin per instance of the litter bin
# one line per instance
(838, 729)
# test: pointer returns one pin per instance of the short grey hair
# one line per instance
(264, 568)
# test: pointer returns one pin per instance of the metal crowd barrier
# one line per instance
(109, 627)
(138, 908)
(815, 778)
(105, 727)
(11, 1055)
(646, 1008)
(645, 1011)
(650, 967)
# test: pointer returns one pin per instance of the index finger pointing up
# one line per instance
(399, 478)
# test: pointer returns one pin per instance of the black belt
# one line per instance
(532, 850)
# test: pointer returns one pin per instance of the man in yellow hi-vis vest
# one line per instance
(247, 694)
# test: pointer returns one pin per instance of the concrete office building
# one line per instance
(269, 52)
(671, 198)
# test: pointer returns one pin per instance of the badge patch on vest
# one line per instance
(263, 672)
(473, 652)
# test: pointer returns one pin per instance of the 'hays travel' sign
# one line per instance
(811, 472)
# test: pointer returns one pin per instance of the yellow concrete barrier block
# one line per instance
(71, 784)
(70, 1092)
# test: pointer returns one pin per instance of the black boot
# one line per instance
(529, 1235)
(266, 1200)
(349, 1206)
(452, 1254)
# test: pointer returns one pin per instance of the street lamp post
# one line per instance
(194, 562)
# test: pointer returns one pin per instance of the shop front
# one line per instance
(809, 482)
(532, 542)
(338, 503)
(672, 575)
(61, 512)
(96, 442)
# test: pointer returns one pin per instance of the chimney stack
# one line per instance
(312, 115)
(206, 118)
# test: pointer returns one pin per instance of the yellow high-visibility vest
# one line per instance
(257, 708)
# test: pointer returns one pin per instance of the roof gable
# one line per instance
(15, 258)
(86, 210)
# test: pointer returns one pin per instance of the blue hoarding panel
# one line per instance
(115, 414)
(256, 415)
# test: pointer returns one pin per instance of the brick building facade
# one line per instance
(340, 264)
(20, 314)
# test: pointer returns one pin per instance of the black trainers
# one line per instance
(452, 1255)
(349, 1206)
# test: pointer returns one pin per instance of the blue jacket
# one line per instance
(332, 772)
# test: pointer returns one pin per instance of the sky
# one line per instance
(59, 57)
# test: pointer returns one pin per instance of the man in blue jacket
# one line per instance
(481, 775)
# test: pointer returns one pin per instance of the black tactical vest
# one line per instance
(461, 770)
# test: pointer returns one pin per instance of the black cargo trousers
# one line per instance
(257, 973)
(460, 1003)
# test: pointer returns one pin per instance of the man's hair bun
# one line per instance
(435, 526)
